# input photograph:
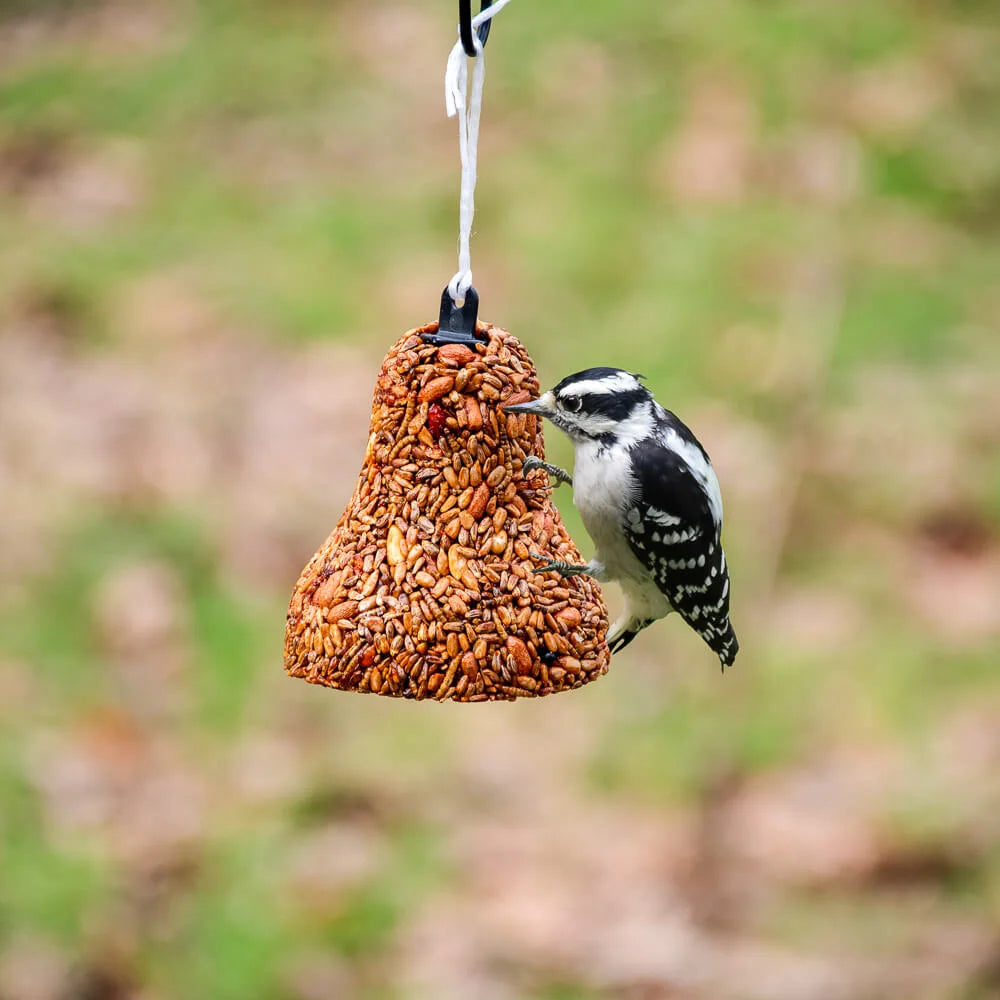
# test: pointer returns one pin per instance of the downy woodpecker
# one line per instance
(650, 500)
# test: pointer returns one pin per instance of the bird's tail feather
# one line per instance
(724, 642)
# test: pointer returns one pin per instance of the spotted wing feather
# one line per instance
(672, 532)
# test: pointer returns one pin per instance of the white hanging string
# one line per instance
(468, 105)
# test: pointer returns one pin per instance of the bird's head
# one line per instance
(595, 404)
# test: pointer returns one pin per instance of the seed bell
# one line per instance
(425, 588)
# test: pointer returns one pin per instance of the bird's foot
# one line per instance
(622, 633)
(617, 644)
(533, 462)
(560, 566)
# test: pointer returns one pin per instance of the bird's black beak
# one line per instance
(541, 407)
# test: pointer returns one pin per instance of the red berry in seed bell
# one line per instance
(436, 420)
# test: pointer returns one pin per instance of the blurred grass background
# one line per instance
(217, 215)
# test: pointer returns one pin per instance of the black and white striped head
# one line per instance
(597, 404)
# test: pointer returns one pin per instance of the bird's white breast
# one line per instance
(603, 487)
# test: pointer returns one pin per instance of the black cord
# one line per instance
(465, 26)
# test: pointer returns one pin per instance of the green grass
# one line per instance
(232, 939)
(45, 886)
(671, 755)
(234, 636)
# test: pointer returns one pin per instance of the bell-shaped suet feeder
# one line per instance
(426, 587)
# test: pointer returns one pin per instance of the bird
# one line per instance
(650, 501)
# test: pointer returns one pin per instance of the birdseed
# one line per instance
(425, 587)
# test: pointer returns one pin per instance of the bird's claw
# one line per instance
(560, 566)
(533, 462)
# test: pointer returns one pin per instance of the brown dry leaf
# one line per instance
(89, 188)
(323, 865)
(112, 777)
(119, 30)
(32, 969)
(142, 622)
(900, 237)
(815, 825)
(405, 33)
(18, 688)
(817, 617)
(956, 596)
(576, 78)
(709, 160)
(243, 435)
(856, 438)
(894, 97)
(819, 165)
(164, 313)
(268, 769)
(83, 775)
(318, 975)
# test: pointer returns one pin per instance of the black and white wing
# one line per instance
(673, 527)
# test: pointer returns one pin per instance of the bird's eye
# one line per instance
(573, 404)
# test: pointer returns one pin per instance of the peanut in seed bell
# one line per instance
(426, 589)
